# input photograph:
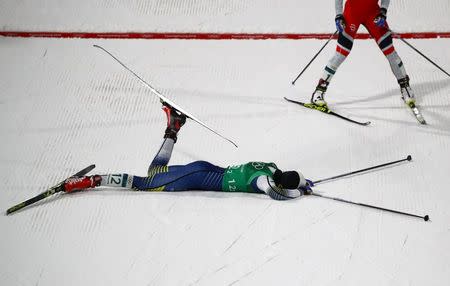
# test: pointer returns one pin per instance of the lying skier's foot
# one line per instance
(175, 120)
(81, 183)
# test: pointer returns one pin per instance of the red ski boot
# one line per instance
(81, 183)
(175, 120)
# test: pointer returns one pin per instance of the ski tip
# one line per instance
(367, 123)
(99, 47)
(235, 145)
(409, 158)
(10, 210)
(90, 168)
(426, 218)
(293, 83)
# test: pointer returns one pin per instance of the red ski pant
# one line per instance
(356, 15)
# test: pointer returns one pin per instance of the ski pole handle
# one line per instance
(408, 158)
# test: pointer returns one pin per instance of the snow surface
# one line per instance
(250, 16)
(65, 105)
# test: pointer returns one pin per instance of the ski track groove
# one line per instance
(288, 236)
(205, 274)
(406, 239)
(157, 275)
(140, 252)
(253, 271)
(257, 217)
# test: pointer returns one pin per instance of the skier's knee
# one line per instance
(385, 43)
(345, 44)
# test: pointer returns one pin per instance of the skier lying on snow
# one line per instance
(253, 177)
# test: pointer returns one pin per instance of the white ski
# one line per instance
(165, 99)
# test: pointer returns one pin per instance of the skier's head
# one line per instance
(289, 179)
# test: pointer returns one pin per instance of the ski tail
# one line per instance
(31, 201)
(415, 110)
(165, 99)
(50, 191)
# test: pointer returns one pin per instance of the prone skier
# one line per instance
(252, 177)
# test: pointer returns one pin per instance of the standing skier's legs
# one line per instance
(383, 37)
(318, 96)
(349, 25)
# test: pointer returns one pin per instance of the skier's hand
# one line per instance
(306, 190)
(380, 19)
(340, 23)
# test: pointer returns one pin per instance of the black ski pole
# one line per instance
(293, 82)
(409, 158)
(420, 53)
(425, 218)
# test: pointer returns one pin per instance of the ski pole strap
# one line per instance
(408, 158)
(425, 218)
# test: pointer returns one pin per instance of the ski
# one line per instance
(50, 191)
(163, 98)
(417, 114)
(327, 111)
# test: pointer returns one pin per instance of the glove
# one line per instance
(306, 190)
(340, 23)
(380, 19)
